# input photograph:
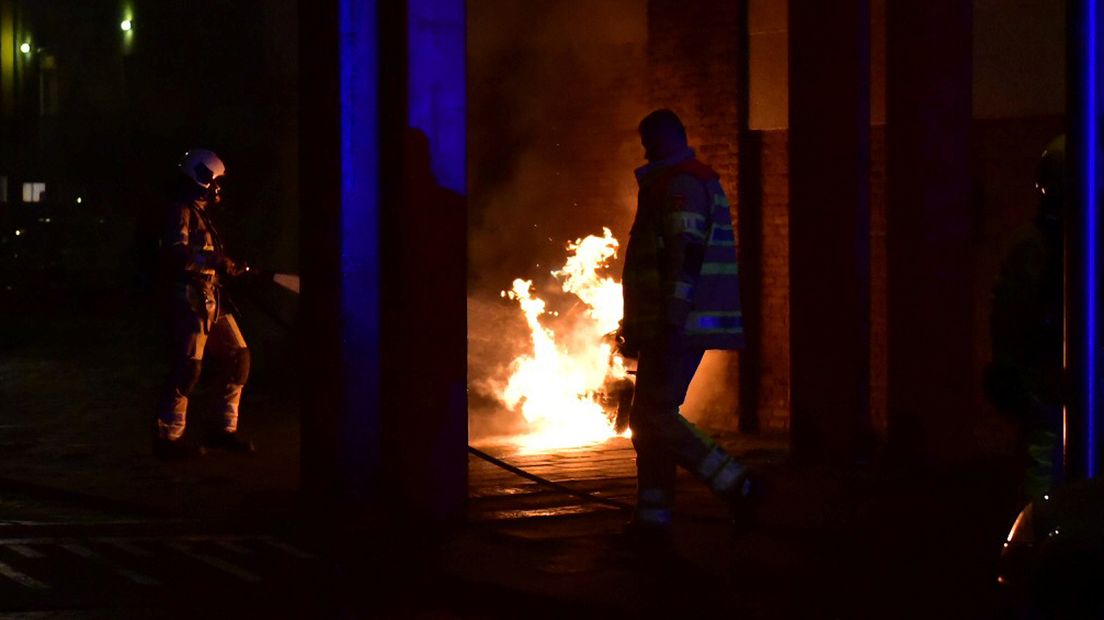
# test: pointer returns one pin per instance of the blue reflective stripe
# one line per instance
(655, 496)
(654, 516)
(712, 463)
(715, 322)
(722, 237)
(726, 479)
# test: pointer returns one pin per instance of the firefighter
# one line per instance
(194, 266)
(681, 298)
(1024, 379)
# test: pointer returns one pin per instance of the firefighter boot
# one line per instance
(231, 441)
(744, 500)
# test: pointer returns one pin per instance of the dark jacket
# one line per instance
(1026, 327)
(681, 278)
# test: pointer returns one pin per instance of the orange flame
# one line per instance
(557, 385)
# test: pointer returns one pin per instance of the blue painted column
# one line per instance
(1083, 238)
(383, 232)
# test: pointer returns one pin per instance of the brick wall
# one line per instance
(693, 70)
(774, 362)
(774, 390)
(693, 55)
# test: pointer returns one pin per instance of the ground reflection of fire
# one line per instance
(559, 385)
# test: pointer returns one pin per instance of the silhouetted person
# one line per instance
(424, 319)
(194, 267)
(681, 298)
(1024, 380)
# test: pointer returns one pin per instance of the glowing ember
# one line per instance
(557, 386)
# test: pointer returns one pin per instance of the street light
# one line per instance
(126, 25)
(25, 48)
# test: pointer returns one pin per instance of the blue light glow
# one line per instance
(1092, 203)
(437, 92)
(360, 213)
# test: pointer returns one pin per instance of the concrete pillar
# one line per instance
(749, 224)
(930, 340)
(382, 152)
(829, 112)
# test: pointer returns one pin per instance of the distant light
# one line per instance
(25, 48)
(79, 200)
(126, 25)
(18, 233)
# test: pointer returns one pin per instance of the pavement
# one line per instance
(856, 542)
(92, 526)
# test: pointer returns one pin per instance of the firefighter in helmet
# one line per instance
(681, 298)
(194, 266)
(1024, 379)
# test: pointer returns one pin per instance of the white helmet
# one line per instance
(202, 166)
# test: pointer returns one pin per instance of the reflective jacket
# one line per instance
(680, 271)
(190, 245)
(192, 259)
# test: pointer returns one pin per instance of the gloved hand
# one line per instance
(232, 268)
(624, 344)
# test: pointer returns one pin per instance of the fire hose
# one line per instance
(291, 282)
(548, 483)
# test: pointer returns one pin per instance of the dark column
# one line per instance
(930, 339)
(830, 227)
(425, 311)
(321, 309)
(749, 223)
(383, 237)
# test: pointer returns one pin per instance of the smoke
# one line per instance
(557, 88)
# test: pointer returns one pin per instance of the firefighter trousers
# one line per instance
(195, 339)
(664, 439)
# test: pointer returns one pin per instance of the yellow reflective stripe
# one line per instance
(725, 480)
(702, 435)
(643, 276)
(641, 319)
(712, 463)
(687, 222)
(720, 269)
